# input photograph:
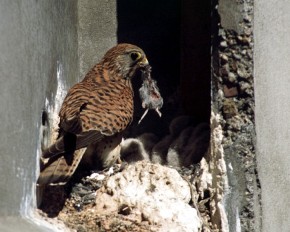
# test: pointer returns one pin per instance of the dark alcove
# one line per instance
(175, 35)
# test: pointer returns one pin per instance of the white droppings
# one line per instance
(97, 176)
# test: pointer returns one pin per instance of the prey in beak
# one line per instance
(149, 91)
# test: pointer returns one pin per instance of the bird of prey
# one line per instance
(94, 114)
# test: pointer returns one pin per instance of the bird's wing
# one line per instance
(87, 116)
(100, 117)
(106, 108)
(74, 102)
(72, 134)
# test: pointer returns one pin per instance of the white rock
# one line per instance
(153, 193)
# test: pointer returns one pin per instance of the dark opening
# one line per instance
(155, 27)
(176, 38)
(196, 58)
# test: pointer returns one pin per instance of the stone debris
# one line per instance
(143, 195)
(140, 194)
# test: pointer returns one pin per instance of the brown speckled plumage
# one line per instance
(98, 107)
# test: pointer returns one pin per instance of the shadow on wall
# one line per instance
(176, 39)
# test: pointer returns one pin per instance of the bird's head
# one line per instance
(125, 60)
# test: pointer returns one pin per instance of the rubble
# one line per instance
(143, 195)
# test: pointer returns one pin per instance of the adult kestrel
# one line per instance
(94, 114)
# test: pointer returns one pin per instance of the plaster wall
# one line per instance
(38, 53)
(272, 83)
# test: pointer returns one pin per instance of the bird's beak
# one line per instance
(143, 62)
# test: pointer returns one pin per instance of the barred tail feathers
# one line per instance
(58, 169)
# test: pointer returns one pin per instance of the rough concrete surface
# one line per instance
(272, 59)
(233, 99)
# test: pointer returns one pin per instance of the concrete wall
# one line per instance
(38, 45)
(272, 84)
(97, 31)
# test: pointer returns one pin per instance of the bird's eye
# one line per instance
(135, 56)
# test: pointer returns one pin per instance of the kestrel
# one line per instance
(94, 114)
